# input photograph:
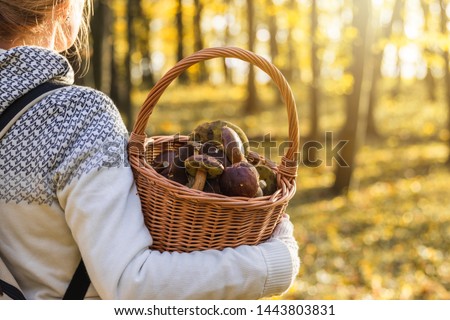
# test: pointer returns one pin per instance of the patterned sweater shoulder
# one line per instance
(67, 134)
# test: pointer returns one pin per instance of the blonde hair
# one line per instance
(20, 17)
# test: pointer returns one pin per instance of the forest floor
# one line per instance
(389, 237)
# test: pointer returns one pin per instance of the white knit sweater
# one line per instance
(66, 189)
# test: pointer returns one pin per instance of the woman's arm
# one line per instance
(103, 213)
(97, 192)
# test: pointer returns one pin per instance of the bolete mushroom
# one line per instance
(253, 157)
(267, 179)
(233, 145)
(202, 167)
(212, 186)
(212, 131)
(163, 160)
(176, 172)
(185, 151)
(215, 149)
(259, 193)
(241, 178)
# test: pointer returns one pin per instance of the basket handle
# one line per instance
(226, 52)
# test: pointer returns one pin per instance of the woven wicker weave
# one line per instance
(182, 219)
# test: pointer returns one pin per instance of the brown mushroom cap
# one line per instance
(233, 146)
(241, 180)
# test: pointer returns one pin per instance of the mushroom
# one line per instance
(253, 157)
(241, 178)
(194, 147)
(233, 146)
(215, 149)
(185, 151)
(212, 131)
(176, 172)
(259, 193)
(163, 160)
(212, 186)
(202, 167)
(267, 179)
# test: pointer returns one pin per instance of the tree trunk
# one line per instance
(133, 8)
(273, 30)
(252, 98)
(144, 47)
(371, 130)
(183, 78)
(314, 91)
(226, 71)
(343, 173)
(101, 58)
(198, 39)
(445, 55)
(293, 71)
(429, 79)
(273, 43)
(117, 82)
(117, 73)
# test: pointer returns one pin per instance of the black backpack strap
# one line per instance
(11, 291)
(9, 115)
(80, 282)
(79, 285)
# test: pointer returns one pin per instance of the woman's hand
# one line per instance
(284, 232)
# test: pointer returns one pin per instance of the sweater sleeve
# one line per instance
(97, 192)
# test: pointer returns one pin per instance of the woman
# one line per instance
(63, 197)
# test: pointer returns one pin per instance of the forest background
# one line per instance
(371, 80)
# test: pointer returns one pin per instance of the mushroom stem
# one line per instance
(202, 167)
(200, 179)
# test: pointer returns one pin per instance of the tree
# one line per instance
(183, 78)
(104, 67)
(102, 46)
(399, 26)
(343, 173)
(314, 91)
(143, 46)
(293, 70)
(371, 129)
(430, 81)
(273, 30)
(227, 37)
(445, 55)
(133, 12)
(198, 39)
(252, 97)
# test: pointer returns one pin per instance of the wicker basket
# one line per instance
(182, 219)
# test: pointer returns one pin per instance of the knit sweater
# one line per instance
(67, 191)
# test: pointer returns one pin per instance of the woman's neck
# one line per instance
(40, 40)
(9, 45)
